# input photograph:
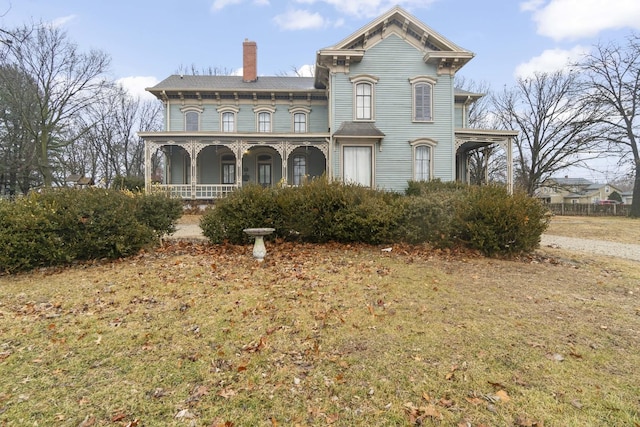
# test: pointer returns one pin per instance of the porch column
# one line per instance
(509, 150)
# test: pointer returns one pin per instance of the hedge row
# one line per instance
(58, 227)
(441, 214)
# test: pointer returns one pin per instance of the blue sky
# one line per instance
(149, 40)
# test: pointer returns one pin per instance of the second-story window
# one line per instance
(192, 121)
(364, 97)
(228, 121)
(300, 123)
(264, 121)
(422, 98)
(363, 101)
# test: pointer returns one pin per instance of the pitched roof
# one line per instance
(358, 130)
(232, 83)
(570, 181)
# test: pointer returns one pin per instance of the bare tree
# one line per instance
(111, 147)
(17, 149)
(68, 82)
(613, 84)
(555, 129)
(193, 70)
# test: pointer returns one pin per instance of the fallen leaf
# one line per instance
(88, 421)
(556, 357)
(226, 393)
(185, 414)
(503, 396)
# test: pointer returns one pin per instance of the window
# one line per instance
(299, 169)
(423, 158)
(299, 122)
(422, 98)
(422, 165)
(264, 170)
(363, 101)
(357, 164)
(264, 122)
(364, 96)
(228, 169)
(192, 121)
(228, 122)
(300, 116)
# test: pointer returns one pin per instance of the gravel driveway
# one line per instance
(193, 232)
(599, 247)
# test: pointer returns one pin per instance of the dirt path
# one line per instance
(599, 247)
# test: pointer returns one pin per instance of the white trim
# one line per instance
(371, 81)
(415, 81)
(300, 110)
(229, 109)
(422, 142)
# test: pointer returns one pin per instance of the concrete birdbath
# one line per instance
(259, 251)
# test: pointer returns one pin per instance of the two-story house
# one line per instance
(574, 191)
(381, 110)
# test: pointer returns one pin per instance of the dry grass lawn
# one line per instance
(323, 335)
(614, 229)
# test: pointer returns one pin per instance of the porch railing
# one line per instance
(195, 192)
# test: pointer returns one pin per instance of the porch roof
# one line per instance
(469, 139)
(358, 130)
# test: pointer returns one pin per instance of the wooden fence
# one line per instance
(576, 209)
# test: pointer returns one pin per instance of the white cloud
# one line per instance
(299, 20)
(136, 85)
(62, 21)
(550, 60)
(574, 19)
(221, 4)
(307, 70)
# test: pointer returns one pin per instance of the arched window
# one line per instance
(364, 97)
(264, 121)
(300, 123)
(422, 163)
(300, 117)
(228, 121)
(192, 121)
(422, 98)
(423, 159)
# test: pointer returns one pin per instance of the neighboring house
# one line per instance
(574, 190)
(381, 110)
(627, 197)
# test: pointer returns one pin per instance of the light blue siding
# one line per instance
(394, 61)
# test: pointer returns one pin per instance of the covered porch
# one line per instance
(469, 140)
(207, 169)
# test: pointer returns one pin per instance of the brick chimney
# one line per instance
(249, 61)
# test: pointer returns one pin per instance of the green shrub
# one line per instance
(57, 227)
(159, 212)
(29, 236)
(252, 206)
(496, 223)
(429, 219)
(97, 223)
(433, 187)
(441, 214)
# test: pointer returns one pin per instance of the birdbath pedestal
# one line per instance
(259, 251)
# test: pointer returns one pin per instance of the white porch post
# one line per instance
(509, 150)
